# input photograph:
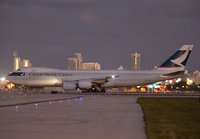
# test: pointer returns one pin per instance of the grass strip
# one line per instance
(174, 118)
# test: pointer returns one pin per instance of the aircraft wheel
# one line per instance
(24, 89)
(103, 90)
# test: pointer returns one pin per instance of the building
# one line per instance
(79, 61)
(195, 78)
(97, 66)
(25, 63)
(136, 61)
(91, 66)
(17, 62)
(121, 68)
(76, 63)
(72, 64)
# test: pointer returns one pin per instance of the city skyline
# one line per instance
(47, 32)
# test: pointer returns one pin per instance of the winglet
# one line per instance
(178, 60)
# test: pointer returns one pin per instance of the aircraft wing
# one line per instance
(101, 80)
(97, 80)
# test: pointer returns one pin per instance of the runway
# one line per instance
(75, 116)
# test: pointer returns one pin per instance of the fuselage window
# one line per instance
(17, 74)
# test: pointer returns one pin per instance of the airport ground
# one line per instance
(74, 115)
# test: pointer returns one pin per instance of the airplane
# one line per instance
(99, 80)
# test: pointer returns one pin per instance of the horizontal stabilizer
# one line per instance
(173, 74)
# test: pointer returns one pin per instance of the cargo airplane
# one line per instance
(98, 81)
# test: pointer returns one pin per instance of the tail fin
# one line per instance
(178, 60)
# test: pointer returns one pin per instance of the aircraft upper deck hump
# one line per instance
(37, 69)
(178, 60)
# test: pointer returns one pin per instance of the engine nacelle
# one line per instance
(69, 86)
(85, 84)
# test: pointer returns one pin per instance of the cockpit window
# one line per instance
(18, 69)
(17, 74)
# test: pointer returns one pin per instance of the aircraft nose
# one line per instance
(8, 77)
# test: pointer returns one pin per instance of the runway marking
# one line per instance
(35, 102)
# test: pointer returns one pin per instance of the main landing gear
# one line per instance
(94, 90)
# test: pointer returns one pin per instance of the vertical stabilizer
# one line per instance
(178, 60)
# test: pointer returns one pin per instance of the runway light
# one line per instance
(36, 106)
(155, 86)
(81, 98)
(138, 86)
(190, 81)
(60, 101)
(113, 76)
(151, 86)
(68, 99)
(16, 108)
(50, 103)
(178, 80)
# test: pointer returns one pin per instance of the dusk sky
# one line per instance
(48, 32)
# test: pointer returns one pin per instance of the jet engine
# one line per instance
(69, 86)
(85, 84)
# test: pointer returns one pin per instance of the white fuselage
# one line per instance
(126, 78)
